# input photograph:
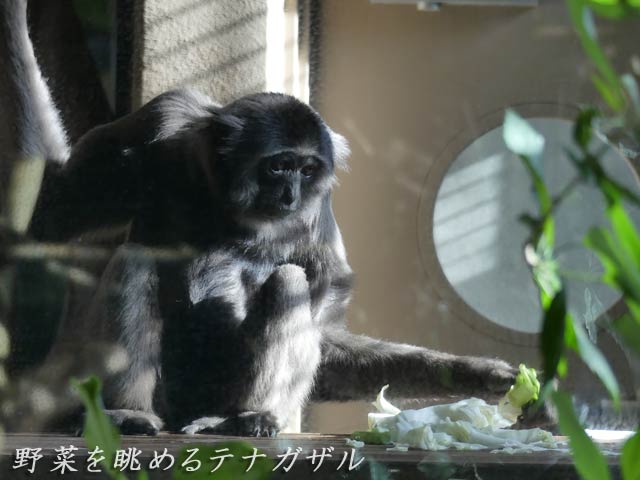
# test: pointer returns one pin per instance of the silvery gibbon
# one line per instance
(236, 339)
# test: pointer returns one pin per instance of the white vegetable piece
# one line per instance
(469, 424)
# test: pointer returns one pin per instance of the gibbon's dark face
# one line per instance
(287, 180)
(280, 160)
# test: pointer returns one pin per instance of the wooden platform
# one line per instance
(378, 462)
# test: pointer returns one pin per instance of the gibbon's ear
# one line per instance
(221, 133)
(225, 130)
(341, 150)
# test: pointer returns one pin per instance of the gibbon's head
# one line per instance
(276, 158)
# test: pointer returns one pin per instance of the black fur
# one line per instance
(238, 339)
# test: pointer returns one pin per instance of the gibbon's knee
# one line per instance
(281, 317)
(285, 295)
(285, 344)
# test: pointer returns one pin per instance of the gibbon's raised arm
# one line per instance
(38, 130)
(135, 166)
(114, 170)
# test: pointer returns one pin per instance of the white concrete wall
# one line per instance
(216, 46)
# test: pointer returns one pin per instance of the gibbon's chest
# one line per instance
(238, 276)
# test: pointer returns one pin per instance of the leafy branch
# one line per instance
(617, 247)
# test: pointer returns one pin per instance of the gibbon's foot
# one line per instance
(247, 424)
(257, 424)
(135, 422)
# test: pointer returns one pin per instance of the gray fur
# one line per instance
(341, 150)
(182, 110)
(39, 129)
(237, 339)
(136, 421)
(285, 364)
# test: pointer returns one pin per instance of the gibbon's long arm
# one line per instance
(355, 367)
(24, 95)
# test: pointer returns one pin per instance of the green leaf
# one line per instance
(608, 93)
(588, 459)
(526, 387)
(528, 144)
(612, 190)
(634, 308)
(624, 192)
(616, 9)
(522, 139)
(98, 430)
(628, 328)
(143, 475)
(620, 270)
(625, 233)
(232, 468)
(563, 367)
(595, 360)
(372, 437)
(631, 86)
(570, 340)
(552, 336)
(607, 82)
(630, 459)
(547, 277)
(583, 129)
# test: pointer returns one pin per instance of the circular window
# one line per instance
(478, 238)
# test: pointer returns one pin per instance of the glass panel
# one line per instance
(479, 239)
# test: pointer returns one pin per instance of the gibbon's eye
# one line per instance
(277, 165)
(309, 170)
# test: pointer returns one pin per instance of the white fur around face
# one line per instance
(341, 150)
